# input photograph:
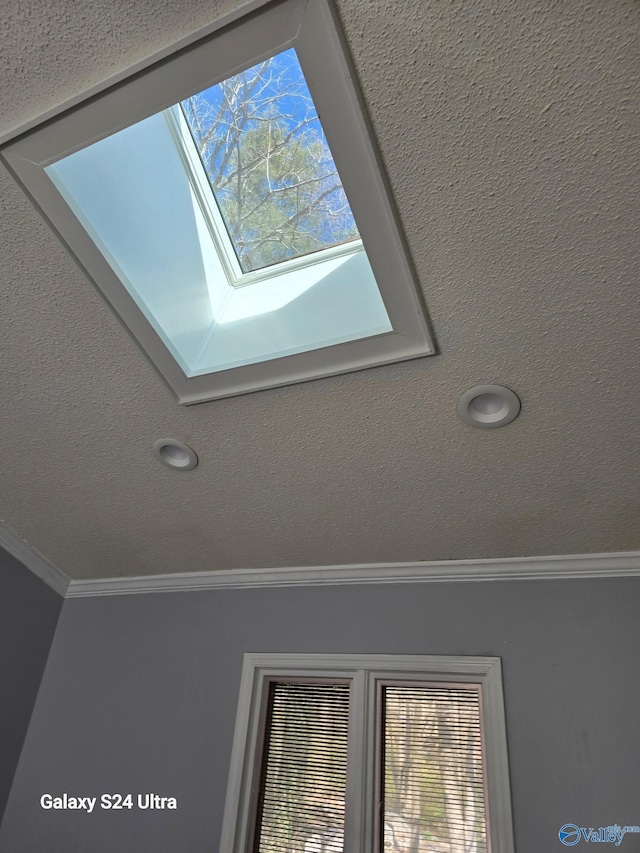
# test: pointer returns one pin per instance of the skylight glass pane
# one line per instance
(269, 165)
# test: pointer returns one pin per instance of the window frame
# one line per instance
(365, 673)
(313, 29)
(199, 182)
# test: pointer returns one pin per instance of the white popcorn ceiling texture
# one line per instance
(509, 132)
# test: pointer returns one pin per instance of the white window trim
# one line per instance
(313, 29)
(365, 671)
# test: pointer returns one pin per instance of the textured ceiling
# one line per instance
(509, 130)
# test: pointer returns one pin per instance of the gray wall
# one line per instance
(29, 612)
(140, 696)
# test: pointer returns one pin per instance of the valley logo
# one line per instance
(571, 834)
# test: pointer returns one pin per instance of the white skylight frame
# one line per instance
(311, 27)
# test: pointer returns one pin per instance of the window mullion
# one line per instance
(358, 835)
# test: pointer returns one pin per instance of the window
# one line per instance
(369, 754)
(227, 203)
(431, 783)
(303, 779)
(268, 163)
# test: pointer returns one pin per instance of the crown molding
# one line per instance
(33, 560)
(566, 567)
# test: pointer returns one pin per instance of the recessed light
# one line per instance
(488, 406)
(175, 454)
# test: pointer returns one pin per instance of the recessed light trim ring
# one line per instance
(489, 406)
(175, 454)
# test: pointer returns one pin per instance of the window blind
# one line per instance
(301, 804)
(432, 797)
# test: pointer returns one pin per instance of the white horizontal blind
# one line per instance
(302, 795)
(432, 788)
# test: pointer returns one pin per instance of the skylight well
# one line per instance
(243, 242)
(233, 186)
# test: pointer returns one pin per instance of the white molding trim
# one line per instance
(33, 560)
(569, 566)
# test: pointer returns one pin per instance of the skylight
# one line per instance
(220, 226)
(234, 180)
(269, 165)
